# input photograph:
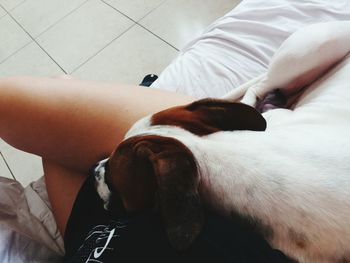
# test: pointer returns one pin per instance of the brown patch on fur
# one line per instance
(151, 170)
(207, 116)
(131, 176)
(299, 239)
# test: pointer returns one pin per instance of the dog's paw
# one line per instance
(273, 100)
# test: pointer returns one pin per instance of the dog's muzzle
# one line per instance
(99, 171)
(111, 199)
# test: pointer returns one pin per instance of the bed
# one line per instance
(234, 49)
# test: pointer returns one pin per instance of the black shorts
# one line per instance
(95, 235)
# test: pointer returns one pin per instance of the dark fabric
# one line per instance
(94, 235)
(148, 80)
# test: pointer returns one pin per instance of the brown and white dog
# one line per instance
(290, 174)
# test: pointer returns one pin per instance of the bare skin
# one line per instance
(72, 124)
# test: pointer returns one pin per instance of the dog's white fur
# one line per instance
(100, 182)
(299, 61)
(294, 178)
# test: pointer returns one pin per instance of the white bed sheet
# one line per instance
(231, 51)
(238, 46)
(28, 231)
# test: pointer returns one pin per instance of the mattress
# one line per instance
(234, 49)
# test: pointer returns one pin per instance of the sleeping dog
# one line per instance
(286, 170)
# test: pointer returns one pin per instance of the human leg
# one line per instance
(62, 186)
(72, 124)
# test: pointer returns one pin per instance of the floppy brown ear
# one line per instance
(148, 170)
(207, 116)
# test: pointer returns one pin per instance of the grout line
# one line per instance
(137, 22)
(65, 72)
(18, 5)
(59, 20)
(94, 55)
(118, 11)
(1, 5)
(14, 53)
(8, 10)
(3, 15)
(162, 39)
(7, 165)
(34, 38)
(158, 37)
(160, 4)
(98, 52)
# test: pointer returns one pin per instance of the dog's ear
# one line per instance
(211, 115)
(154, 170)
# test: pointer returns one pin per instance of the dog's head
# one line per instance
(150, 168)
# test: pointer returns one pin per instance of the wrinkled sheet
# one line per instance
(303, 58)
(234, 49)
(28, 231)
(239, 46)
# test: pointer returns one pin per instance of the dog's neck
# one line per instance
(253, 175)
(239, 159)
(277, 179)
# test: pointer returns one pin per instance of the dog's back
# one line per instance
(292, 180)
(299, 169)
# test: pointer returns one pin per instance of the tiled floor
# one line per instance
(105, 40)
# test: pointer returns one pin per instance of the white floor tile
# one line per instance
(129, 58)
(83, 33)
(10, 4)
(2, 12)
(4, 171)
(179, 21)
(12, 37)
(31, 61)
(38, 15)
(73, 36)
(135, 9)
(25, 167)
